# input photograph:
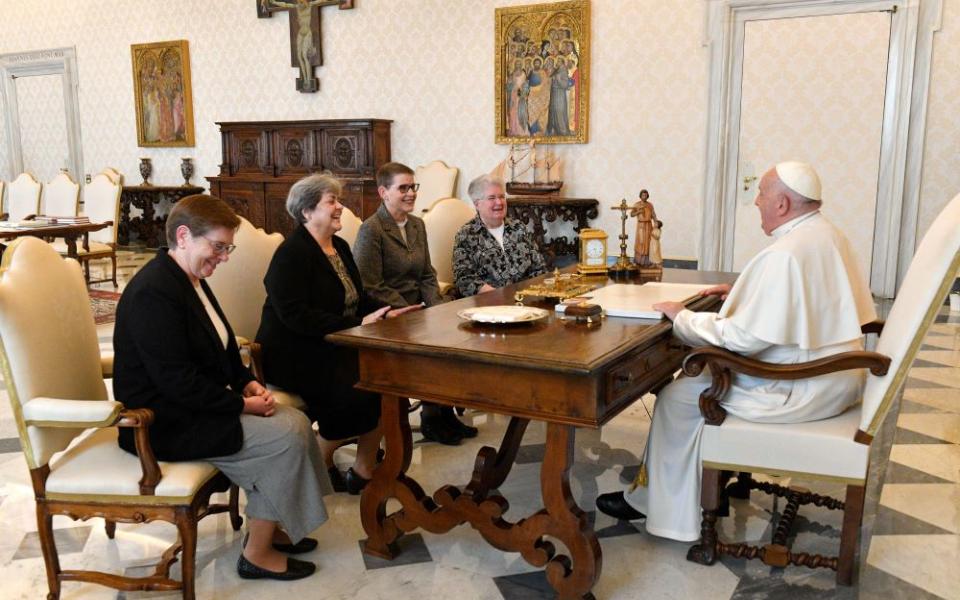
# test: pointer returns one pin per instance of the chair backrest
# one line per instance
(61, 197)
(101, 202)
(350, 225)
(48, 339)
(929, 278)
(113, 174)
(3, 202)
(238, 283)
(436, 180)
(442, 222)
(23, 197)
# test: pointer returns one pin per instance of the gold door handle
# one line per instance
(747, 181)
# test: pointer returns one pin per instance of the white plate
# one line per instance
(502, 314)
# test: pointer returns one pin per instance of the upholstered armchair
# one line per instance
(61, 197)
(442, 221)
(350, 226)
(68, 425)
(238, 286)
(101, 202)
(115, 175)
(437, 181)
(23, 198)
(835, 449)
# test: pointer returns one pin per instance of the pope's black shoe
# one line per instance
(438, 430)
(355, 483)
(615, 505)
(459, 426)
(296, 569)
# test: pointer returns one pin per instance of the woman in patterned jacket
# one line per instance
(492, 251)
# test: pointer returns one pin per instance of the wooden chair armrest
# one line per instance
(723, 363)
(873, 327)
(256, 361)
(141, 419)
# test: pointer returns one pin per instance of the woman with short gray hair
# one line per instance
(314, 288)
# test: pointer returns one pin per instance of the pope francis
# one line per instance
(800, 299)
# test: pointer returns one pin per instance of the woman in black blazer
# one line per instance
(313, 289)
(176, 355)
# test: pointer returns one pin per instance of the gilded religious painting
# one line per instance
(161, 84)
(543, 73)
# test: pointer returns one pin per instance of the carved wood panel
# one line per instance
(248, 152)
(246, 200)
(294, 152)
(277, 217)
(343, 150)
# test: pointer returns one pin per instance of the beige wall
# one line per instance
(428, 65)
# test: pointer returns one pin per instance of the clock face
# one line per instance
(595, 252)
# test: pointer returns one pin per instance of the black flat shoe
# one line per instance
(301, 547)
(615, 505)
(437, 430)
(355, 483)
(336, 479)
(460, 427)
(296, 569)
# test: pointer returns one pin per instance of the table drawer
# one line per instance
(636, 373)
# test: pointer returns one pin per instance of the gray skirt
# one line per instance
(280, 468)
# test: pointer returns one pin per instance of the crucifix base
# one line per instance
(309, 86)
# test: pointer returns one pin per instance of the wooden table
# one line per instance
(69, 233)
(568, 375)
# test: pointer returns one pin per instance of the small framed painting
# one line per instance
(161, 85)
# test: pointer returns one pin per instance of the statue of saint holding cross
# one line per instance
(304, 34)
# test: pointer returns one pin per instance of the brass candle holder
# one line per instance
(624, 266)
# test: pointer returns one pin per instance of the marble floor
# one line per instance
(910, 545)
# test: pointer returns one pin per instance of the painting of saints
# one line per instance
(162, 85)
(538, 98)
(517, 90)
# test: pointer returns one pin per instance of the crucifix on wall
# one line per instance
(304, 34)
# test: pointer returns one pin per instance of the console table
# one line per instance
(149, 226)
(262, 159)
(537, 210)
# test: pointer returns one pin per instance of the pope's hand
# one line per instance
(721, 290)
(669, 309)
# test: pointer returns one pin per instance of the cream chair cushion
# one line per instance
(79, 472)
(95, 247)
(437, 181)
(23, 197)
(931, 273)
(48, 338)
(56, 412)
(61, 197)
(442, 222)
(101, 202)
(350, 226)
(287, 399)
(824, 448)
(238, 283)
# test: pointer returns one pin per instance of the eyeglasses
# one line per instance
(220, 247)
(404, 188)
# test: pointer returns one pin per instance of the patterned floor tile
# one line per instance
(905, 436)
(907, 407)
(941, 460)
(939, 426)
(893, 522)
(9, 445)
(532, 453)
(68, 540)
(937, 504)
(950, 358)
(412, 551)
(876, 584)
(926, 561)
(913, 382)
(946, 399)
(525, 586)
(943, 376)
(897, 473)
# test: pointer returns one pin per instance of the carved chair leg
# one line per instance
(111, 528)
(850, 534)
(48, 547)
(113, 261)
(86, 270)
(234, 507)
(187, 528)
(705, 552)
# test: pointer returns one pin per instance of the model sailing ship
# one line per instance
(530, 174)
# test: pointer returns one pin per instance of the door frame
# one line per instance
(912, 25)
(55, 61)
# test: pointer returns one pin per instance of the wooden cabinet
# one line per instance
(262, 159)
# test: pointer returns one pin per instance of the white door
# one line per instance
(43, 126)
(813, 90)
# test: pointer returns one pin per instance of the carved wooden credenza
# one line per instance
(262, 159)
(536, 211)
(154, 202)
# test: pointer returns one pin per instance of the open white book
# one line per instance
(636, 301)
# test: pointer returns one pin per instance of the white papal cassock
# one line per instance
(800, 299)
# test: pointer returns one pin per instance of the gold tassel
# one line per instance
(641, 479)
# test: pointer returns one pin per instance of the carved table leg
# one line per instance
(383, 532)
(491, 467)
(573, 576)
(71, 241)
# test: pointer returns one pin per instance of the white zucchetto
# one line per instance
(801, 178)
